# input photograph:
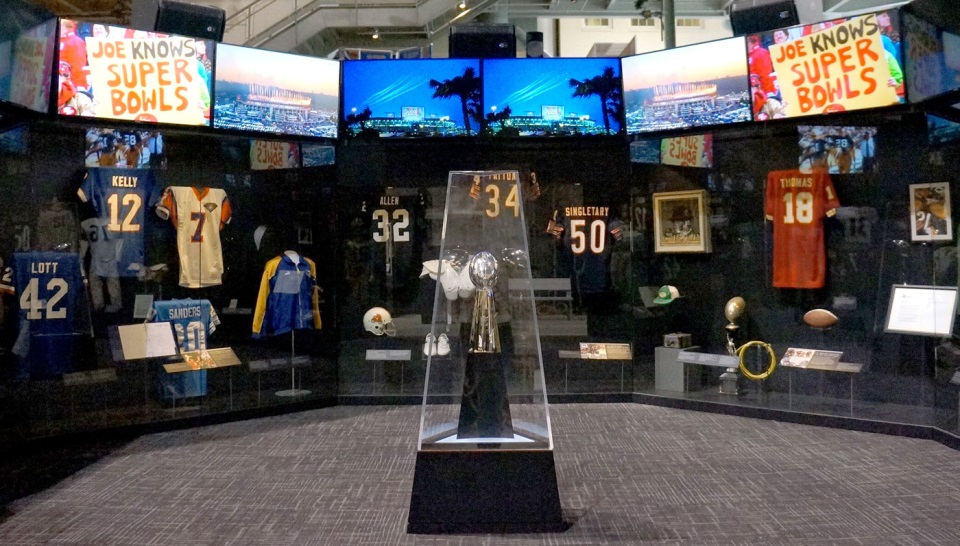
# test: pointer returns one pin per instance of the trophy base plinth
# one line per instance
(728, 382)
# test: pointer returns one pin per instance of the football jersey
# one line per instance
(48, 287)
(193, 320)
(198, 214)
(289, 297)
(588, 233)
(796, 203)
(394, 226)
(120, 198)
(105, 251)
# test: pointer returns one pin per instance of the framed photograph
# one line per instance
(680, 222)
(931, 218)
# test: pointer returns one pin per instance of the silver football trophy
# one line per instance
(484, 337)
(733, 310)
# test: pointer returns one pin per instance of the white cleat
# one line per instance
(443, 345)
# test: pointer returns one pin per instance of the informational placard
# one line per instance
(922, 310)
(147, 340)
(605, 351)
(843, 67)
(207, 359)
(388, 354)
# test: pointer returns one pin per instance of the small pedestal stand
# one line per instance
(293, 390)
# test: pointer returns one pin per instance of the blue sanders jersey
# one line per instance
(193, 321)
(120, 197)
(48, 287)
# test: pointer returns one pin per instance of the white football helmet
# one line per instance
(378, 321)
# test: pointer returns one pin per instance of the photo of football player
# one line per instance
(71, 101)
(930, 205)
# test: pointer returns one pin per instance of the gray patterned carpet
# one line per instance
(628, 474)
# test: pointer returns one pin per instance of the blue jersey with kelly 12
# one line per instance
(120, 197)
(192, 320)
(48, 287)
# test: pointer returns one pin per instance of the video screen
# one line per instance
(115, 148)
(270, 92)
(941, 130)
(687, 151)
(378, 95)
(837, 149)
(552, 97)
(834, 66)
(932, 59)
(645, 151)
(693, 86)
(26, 63)
(120, 73)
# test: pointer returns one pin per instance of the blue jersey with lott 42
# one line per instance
(49, 290)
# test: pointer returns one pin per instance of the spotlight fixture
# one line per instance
(376, 34)
(462, 4)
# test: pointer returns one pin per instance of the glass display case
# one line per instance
(485, 432)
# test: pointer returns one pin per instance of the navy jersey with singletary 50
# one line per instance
(588, 232)
(48, 287)
(120, 197)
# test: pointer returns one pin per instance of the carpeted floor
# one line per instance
(628, 474)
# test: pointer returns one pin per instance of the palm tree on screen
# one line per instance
(359, 118)
(466, 87)
(606, 87)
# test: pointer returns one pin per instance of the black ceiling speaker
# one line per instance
(205, 22)
(755, 16)
(483, 41)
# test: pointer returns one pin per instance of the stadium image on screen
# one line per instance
(382, 98)
(121, 73)
(271, 92)
(693, 86)
(837, 149)
(552, 97)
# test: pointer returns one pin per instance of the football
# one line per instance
(820, 318)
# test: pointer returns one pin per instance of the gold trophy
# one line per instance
(484, 337)
(733, 310)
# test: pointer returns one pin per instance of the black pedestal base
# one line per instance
(485, 492)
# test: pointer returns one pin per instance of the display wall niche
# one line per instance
(103, 391)
(859, 242)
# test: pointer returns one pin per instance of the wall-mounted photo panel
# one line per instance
(837, 149)
(931, 218)
(687, 151)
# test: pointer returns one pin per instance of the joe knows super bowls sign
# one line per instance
(843, 67)
(148, 79)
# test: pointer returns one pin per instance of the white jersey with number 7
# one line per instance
(198, 214)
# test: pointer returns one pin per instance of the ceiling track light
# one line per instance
(376, 34)
(462, 4)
